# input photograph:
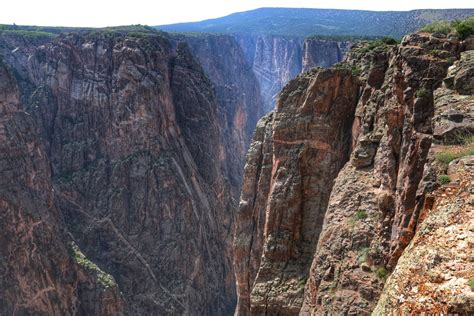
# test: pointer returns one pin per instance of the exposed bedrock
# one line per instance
(278, 59)
(355, 219)
(296, 154)
(142, 154)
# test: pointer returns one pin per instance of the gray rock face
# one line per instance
(278, 59)
(323, 53)
(237, 93)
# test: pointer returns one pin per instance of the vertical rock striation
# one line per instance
(297, 152)
(41, 271)
(323, 53)
(414, 102)
(278, 59)
(143, 148)
(237, 93)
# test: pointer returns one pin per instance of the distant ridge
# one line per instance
(327, 22)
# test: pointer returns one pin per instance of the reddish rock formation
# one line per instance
(371, 216)
(297, 152)
(144, 153)
(374, 207)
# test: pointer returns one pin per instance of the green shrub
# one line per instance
(471, 284)
(421, 93)
(443, 27)
(361, 214)
(356, 71)
(464, 28)
(302, 283)
(363, 255)
(446, 157)
(443, 179)
(105, 279)
(450, 60)
(450, 154)
(389, 40)
(381, 272)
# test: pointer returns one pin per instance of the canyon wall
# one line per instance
(132, 167)
(297, 152)
(278, 59)
(355, 219)
(42, 271)
(323, 53)
(237, 93)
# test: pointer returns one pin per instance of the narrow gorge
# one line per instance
(277, 59)
(154, 173)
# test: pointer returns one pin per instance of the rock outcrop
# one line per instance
(411, 100)
(323, 53)
(373, 213)
(140, 155)
(297, 152)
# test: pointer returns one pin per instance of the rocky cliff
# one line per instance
(121, 173)
(296, 154)
(237, 92)
(346, 171)
(323, 53)
(42, 271)
(278, 59)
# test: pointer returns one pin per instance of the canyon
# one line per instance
(344, 188)
(145, 173)
(277, 59)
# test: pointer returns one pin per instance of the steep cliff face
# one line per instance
(372, 213)
(237, 93)
(361, 225)
(435, 274)
(278, 59)
(323, 53)
(141, 151)
(42, 271)
(297, 152)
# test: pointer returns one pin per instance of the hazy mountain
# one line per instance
(305, 22)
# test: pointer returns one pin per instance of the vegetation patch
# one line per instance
(443, 179)
(380, 44)
(471, 284)
(361, 214)
(105, 279)
(462, 28)
(381, 272)
(452, 153)
(421, 93)
(302, 282)
(443, 27)
(363, 255)
(356, 71)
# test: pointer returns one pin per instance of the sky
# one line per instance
(99, 13)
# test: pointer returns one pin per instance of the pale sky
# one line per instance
(155, 12)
